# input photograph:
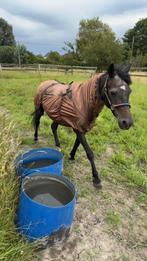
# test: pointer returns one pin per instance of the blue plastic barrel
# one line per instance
(46, 160)
(46, 207)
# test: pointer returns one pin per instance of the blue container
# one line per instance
(46, 160)
(46, 207)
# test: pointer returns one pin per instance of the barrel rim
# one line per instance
(43, 168)
(53, 176)
(19, 157)
(29, 153)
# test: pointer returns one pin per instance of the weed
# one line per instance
(113, 218)
(141, 199)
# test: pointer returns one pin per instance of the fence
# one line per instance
(135, 71)
(48, 67)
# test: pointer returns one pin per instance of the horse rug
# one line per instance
(74, 105)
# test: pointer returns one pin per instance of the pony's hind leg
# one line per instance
(36, 120)
(74, 149)
(54, 127)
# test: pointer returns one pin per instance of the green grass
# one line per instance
(127, 165)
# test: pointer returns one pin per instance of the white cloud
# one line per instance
(122, 22)
(18, 21)
(46, 24)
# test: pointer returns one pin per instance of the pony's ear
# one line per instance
(111, 70)
(127, 68)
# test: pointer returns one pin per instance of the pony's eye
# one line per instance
(113, 93)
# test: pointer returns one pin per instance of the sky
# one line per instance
(44, 25)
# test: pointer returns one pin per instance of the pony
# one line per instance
(77, 105)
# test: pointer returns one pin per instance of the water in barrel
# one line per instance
(39, 163)
(49, 192)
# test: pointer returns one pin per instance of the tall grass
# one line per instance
(12, 246)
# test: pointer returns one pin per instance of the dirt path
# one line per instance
(109, 224)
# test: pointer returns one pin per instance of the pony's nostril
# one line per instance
(124, 122)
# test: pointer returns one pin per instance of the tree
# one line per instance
(96, 44)
(40, 59)
(7, 54)
(69, 47)
(6, 34)
(21, 53)
(136, 38)
(70, 58)
(31, 58)
(53, 57)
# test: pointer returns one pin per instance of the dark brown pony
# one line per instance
(78, 105)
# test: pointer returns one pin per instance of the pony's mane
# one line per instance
(122, 73)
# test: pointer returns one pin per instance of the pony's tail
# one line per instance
(36, 115)
(39, 111)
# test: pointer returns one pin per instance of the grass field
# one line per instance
(121, 157)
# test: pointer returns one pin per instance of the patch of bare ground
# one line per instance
(4, 110)
(108, 224)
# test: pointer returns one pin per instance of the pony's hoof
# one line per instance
(71, 158)
(97, 183)
(35, 139)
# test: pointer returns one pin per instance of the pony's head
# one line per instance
(115, 92)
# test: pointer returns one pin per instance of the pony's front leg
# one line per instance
(90, 156)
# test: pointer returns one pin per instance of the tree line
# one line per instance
(95, 45)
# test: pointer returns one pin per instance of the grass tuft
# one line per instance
(113, 218)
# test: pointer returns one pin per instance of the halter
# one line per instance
(112, 106)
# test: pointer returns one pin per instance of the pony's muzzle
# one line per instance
(125, 124)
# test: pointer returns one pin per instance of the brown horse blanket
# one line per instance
(75, 105)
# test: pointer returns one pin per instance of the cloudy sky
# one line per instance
(44, 25)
